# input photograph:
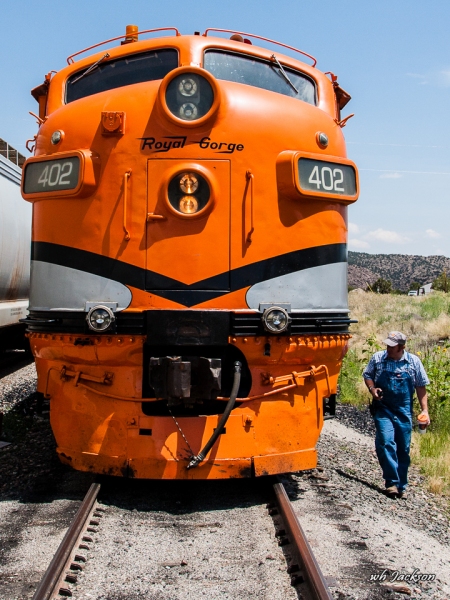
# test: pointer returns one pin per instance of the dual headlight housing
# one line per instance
(189, 96)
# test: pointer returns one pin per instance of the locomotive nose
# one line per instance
(189, 96)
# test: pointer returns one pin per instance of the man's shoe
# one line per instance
(392, 491)
(403, 494)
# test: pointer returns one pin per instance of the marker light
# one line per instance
(100, 318)
(322, 139)
(275, 319)
(57, 136)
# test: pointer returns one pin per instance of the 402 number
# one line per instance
(57, 174)
(327, 179)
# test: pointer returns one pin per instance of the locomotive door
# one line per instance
(188, 229)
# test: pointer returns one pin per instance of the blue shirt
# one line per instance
(409, 362)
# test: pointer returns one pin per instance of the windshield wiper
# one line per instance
(283, 72)
(91, 68)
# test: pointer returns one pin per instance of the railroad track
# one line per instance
(71, 554)
(68, 558)
(303, 565)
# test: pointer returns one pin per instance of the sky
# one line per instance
(392, 57)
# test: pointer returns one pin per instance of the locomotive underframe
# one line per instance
(98, 411)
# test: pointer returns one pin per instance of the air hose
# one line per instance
(196, 460)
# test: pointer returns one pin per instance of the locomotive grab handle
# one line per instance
(31, 144)
(343, 122)
(126, 177)
(152, 217)
(64, 373)
(250, 177)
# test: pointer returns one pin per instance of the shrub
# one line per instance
(380, 286)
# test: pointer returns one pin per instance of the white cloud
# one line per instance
(390, 237)
(436, 78)
(444, 78)
(422, 78)
(433, 234)
(358, 244)
(353, 228)
(391, 176)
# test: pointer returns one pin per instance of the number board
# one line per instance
(51, 175)
(329, 178)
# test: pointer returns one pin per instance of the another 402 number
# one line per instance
(326, 177)
(52, 175)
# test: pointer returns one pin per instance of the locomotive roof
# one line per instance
(191, 48)
(236, 36)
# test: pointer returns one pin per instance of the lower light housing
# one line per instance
(100, 318)
(276, 319)
(188, 193)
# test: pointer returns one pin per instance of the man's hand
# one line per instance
(377, 393)
(425, 413)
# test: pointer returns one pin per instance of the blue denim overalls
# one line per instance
(393, 422)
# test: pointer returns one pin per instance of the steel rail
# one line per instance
(300, 545)
(52, 576)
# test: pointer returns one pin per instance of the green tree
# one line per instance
(381, 286)
(441, 283)
(414, 285)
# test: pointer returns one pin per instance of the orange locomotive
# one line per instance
(188, 306)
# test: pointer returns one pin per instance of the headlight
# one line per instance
(275, 319)
(189, 183)
(100, 318)
(187, 86)
(189, 96)
(188, 112)
(188, 193)
(188, 205)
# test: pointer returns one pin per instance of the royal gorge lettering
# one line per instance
(206, 142)
(164, 145)
(172, 142)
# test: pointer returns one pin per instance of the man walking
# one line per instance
(391, 377)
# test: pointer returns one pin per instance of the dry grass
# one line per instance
(424, 320)
(433, 461)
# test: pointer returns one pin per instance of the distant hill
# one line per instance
(400, 269)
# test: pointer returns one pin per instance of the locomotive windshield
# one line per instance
(261, 74)
(111, 74)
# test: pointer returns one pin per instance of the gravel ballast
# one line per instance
(358, 533)
(215, 539)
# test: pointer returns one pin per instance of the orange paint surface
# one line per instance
(126, 214)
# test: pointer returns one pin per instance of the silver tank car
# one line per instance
(15, 244)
